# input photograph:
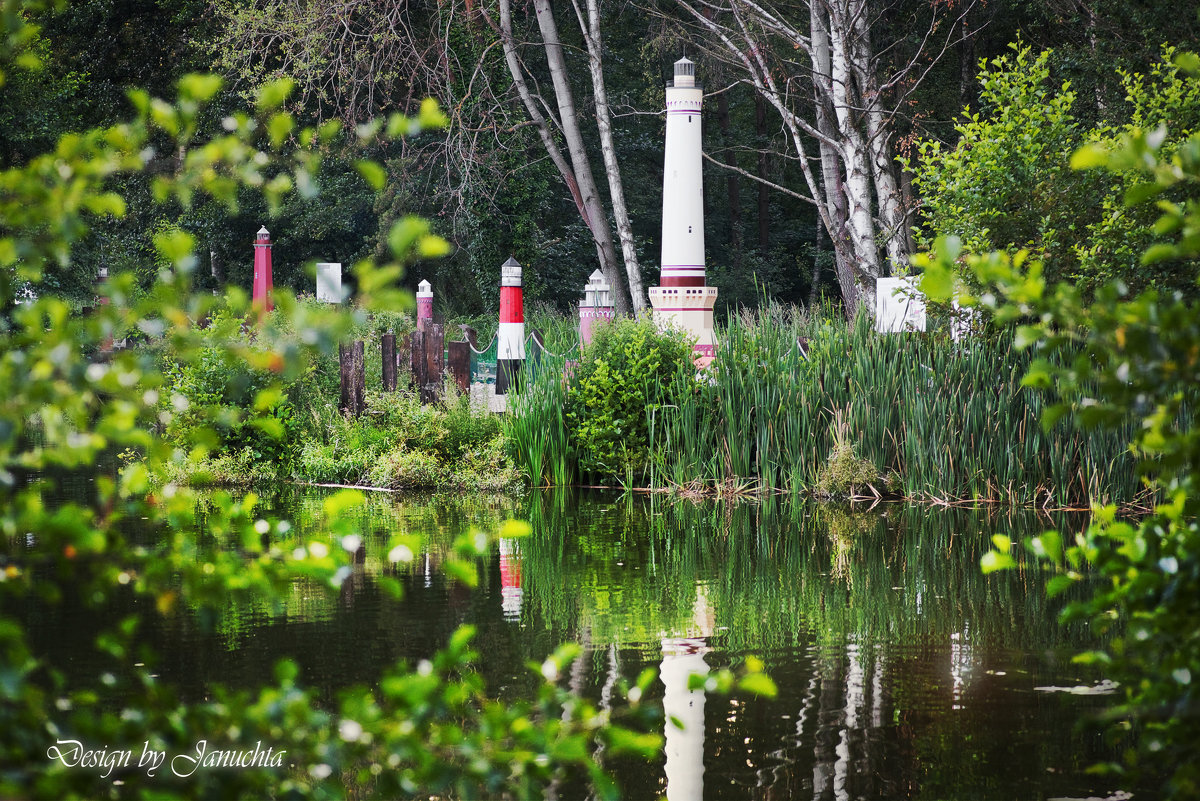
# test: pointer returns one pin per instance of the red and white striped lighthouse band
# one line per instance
(684, 275)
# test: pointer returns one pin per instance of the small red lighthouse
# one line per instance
(262, 271)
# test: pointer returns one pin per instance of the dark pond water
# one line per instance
(902, 671)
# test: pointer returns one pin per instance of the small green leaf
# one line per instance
(430, 115)
(274, 93)
(1159, 252)
(1141, 192)
(286, 671)
(461, 571)
(1027, 335)
(1058, 585)
(432, 247)
(199, 87)
(993, 561)
(514, 529)
(403, 236)
(279, 127)
(1048, 546)
(1090, 156)
(1002, 543)
(372, 173)
(759, 684)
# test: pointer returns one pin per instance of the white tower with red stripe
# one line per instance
(510, 337)
(683, 299)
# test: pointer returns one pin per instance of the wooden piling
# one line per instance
(417, 353)
(346, 378)
(360, 378)
(435, 346)
(387, 347)
(460, 365)
(353, 374)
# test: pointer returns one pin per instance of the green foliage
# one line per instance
(1008, 183)
(432, 730)
(400, 443)
(617, 387)
(1007, 180)
(925, 411)
(845, 474)
(213, 390)
(1140, 372)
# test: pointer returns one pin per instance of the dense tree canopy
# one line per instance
(488, 181)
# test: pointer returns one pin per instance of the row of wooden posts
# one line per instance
(425, 352)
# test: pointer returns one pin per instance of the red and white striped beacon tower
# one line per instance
(510, 337)
(682, 299)
(261, 296)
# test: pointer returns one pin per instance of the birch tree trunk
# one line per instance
(834, 192)
(855, 157)
(616, 189)
(888, 199)
(569, 121)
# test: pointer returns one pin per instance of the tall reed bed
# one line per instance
(535, 427)
(940, 420)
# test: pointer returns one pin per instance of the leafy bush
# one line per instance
(1007, 183)
(405, 469)
(845, 474)
(399, 442)
(620, 381)
(1141, 378)
(214, 396)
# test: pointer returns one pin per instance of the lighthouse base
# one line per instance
(689, 309)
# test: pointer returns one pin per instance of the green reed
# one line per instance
(535, 426)
(940, 420)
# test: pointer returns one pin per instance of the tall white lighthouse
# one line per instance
(682, 299)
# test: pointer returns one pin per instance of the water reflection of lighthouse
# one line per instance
(684, 708)
(511, 593)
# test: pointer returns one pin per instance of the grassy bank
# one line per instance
(855, 413)
(398, 443)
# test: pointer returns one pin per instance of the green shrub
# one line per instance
(845, 474)
(214, 397)
(405, 469)
(1008, 185)
(620, 381)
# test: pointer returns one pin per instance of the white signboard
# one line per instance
(899, 305)
(329, 281)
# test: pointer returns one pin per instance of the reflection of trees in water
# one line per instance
(875, 625)
(881, 623)
(779, 576)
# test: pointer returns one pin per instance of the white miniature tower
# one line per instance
(596, 308)
(682, 299)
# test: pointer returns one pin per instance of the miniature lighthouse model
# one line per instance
(424, 304)
(682, 299)
(261, 289)
(510, 337)
(596, 308)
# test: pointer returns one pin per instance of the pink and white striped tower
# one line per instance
(596, 308)
(424, 305)
(682, 299)
(261, 296)
(510, 337)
